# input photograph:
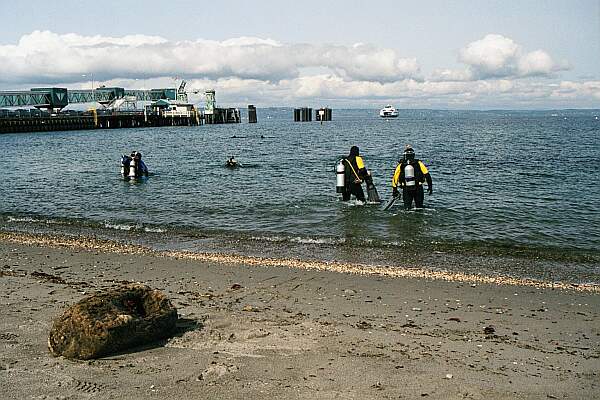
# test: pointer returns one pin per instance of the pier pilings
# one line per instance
(39, 122)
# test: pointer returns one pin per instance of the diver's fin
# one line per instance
(372, 195)
(390, 203)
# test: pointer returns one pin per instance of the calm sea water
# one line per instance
(506, 184)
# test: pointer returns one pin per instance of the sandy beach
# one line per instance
(254, 329)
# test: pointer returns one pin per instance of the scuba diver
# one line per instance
(132, 166)
(140, 166)
(125, 162)
(410, 174)
(354, 172)
(232, 163)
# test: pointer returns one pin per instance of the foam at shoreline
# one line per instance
(90, 243)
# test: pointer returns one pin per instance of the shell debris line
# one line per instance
(89, 243)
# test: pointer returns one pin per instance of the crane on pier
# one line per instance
(181, 93)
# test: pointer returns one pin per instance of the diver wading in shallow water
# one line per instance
(132, 166)
(410, 175)
(354, 172)
(232, 163)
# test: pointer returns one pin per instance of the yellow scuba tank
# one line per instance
(340, 177)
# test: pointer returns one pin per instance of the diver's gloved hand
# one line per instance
(430, 190)
(395, 192)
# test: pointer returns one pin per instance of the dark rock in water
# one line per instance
(112, 321)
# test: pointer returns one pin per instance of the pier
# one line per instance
(223, 116)
(54, 99)
(14, 122)
(41, 122)
(168, 107)
(218, 115)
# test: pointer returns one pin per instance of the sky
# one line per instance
(483, 54)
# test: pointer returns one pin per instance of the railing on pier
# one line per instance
(57, 98)
(24, 98)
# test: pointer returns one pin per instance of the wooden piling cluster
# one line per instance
(303, 114)
(92, 120)
(252, 114)
(223, 116)
(323, 114)
(140, 120)
(46, 123)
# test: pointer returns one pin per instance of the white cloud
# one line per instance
(330, 89)
(365, 62)
(267, 72)
(568, 89)
(441, 75)
(250, 41)
(50, 58)
(496, 56)
(535, 63)
(492, 56)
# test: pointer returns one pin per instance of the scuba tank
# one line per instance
(132, 168)
(125, 166)
(340, 177)
(409, 176)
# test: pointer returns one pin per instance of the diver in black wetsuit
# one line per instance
(232, 163)
(140, 166)
(355, 173)
(125, 161)
(410, 174)
(133, 161)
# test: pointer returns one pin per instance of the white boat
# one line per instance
(388, 112)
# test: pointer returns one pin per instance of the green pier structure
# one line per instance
(58, 98)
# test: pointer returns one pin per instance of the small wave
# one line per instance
(120, 227)
(317, 241)
(154, 230)
(298, 239)
(355, 203)
(276, 239)
(137, 227)
(23, 219)
(330, 241)
(31, 220)
(133, 227)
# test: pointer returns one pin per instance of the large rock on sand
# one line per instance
(112, 321)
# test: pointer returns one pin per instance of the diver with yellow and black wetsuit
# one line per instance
(355, 173)
(410, 174)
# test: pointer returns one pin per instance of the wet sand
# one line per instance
(265, 328)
